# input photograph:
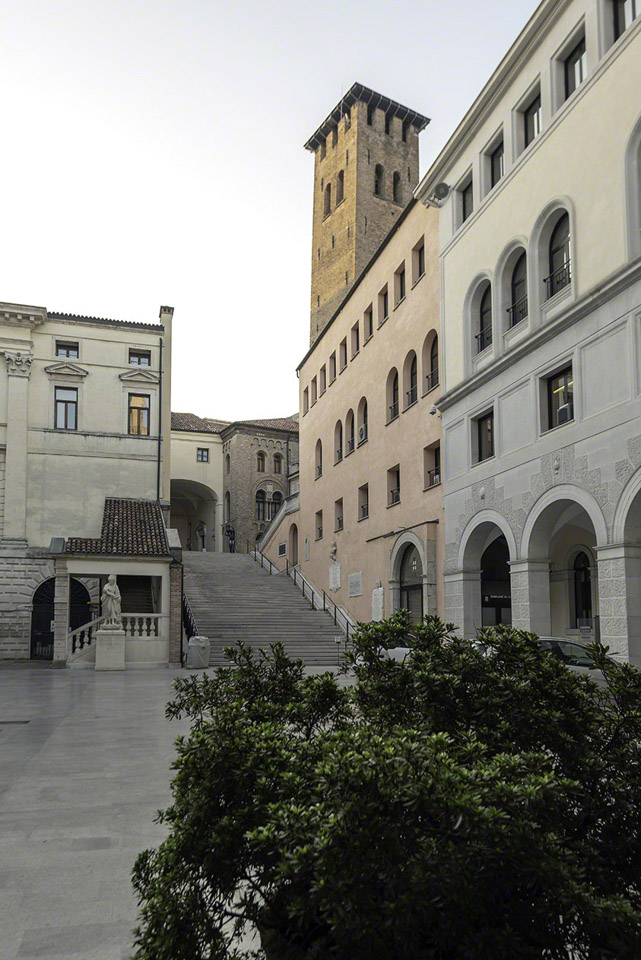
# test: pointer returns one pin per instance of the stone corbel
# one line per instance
(18, 362)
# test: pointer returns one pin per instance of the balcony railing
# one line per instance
(319, 469)
(393, 410)
(411, 396)
(350, 445)
(362, 433)
(364, 510)
(319, 533)
(433, 478)
(339, 455)
(557, 280)
(483, 339)
(518, 311)
(339, 523)
(431, 379)
(395, 495)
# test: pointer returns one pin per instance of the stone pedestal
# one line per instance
(110, 650)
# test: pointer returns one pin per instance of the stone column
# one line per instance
(530, 587)
(619, 591)
(15, 504)
(175, 611)
(463, 602)
(61, 611)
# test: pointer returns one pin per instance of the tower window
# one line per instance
(328, 200)
(346, 277)
(379, 180)
(333, 241)
(397, 187)
(405, 130)
(348, 120)
(388, 123)
(323, 150)
(319, 253)
(370, 116)
(334, 136)
(347, 158)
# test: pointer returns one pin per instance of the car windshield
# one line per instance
(573, 654)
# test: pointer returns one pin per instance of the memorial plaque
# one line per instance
(334, 576)
(356, 585)
(378, 603)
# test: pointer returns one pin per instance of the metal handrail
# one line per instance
(557, 280)
(432, 379)
(189, 621)
(411, 396)
(393, 410)
(518, 311)
(395, 495)
(433, 477)
(483, 339)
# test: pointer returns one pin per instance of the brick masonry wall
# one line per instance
(175, 611)
(19, 579)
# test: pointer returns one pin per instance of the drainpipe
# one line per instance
(158, 458)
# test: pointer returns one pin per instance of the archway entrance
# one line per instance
(411, 583)
(43, 613)
(293, 544)
(193, 514)
(496, 593)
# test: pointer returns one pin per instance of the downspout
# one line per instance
(159, 423)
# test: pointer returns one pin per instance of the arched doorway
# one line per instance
(293, 544)
(42, 615)
(496, 593)
(411, 583)
(193, 514)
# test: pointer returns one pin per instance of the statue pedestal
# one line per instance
(110, 650)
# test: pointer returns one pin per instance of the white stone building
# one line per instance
(540, 250)
(84, 479)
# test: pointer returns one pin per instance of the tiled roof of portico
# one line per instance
(194, 424)
(130, 528)
(280, 423)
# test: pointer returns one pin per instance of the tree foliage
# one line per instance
(471, 803)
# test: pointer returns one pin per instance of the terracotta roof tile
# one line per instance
(280, 423)
(189, 421)
(129, 528)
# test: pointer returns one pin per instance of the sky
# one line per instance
(153, 154)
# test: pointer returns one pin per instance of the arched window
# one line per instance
(518, 308)
(484, 336)
(227, 464)
(633, 187)
(559, 257)
(396, 188)
(260, 462)
(319, 458)
(379, 180)
(277, 499)
(582, 591)
(278, 463)
(392, 394)
(338, 441)
(328, 200)
(340, 187)
(362, 421)
(260, 505)
(433, 374)
(349, 432)
(411, 392)
(227, 507)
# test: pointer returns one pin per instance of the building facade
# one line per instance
(84, 419)
(197, 481)
(540, 258)
(365, 169)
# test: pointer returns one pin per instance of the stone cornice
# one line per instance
(17, 315)
(18, 362)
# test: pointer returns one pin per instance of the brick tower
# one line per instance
(366, 167)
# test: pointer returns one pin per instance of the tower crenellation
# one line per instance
(365, 170)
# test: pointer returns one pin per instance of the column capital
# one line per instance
(18, 362)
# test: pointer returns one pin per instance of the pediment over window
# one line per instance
(139, 376)
(66, 371)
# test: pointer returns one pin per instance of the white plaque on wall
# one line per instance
(306, 553)
(334, 576)
(356, 584)
(378, 603)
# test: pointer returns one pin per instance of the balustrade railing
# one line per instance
(82, 636)
(135, 626)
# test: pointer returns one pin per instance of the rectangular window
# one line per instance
(532, 116)
(323, 379)
(67, 349)
(394, 486)
(485, 435)
(388, 123)
(356, 340)
(338, 514)
(383, 306)
(399, 284)
(282, 549)
(560, 398)
(314, 390)
(497, 164)
(368, 323)
(141, 358)
(305, 400)
(66, 403)
(202, 455)
(363, 502)
(343, 354)
(432, 465)
(332, 367)
(318, 525)
(625, 11)
(467, 201)
(418, 261)
(575, 68)
(138, 420)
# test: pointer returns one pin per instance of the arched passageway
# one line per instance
(42, 615)
(193, 514)
(411, 583)
(496, 590)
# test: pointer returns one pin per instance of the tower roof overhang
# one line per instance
(357, 92)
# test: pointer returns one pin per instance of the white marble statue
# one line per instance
(111, 605)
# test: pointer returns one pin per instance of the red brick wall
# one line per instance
(175, 611)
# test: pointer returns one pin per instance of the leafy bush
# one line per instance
(472, 803)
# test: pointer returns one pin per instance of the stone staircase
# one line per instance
(233, 599)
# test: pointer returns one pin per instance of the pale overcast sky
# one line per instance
(153, 155)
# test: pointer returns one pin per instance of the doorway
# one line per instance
(42, 615)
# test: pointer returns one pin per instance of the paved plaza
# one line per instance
(84, 766)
